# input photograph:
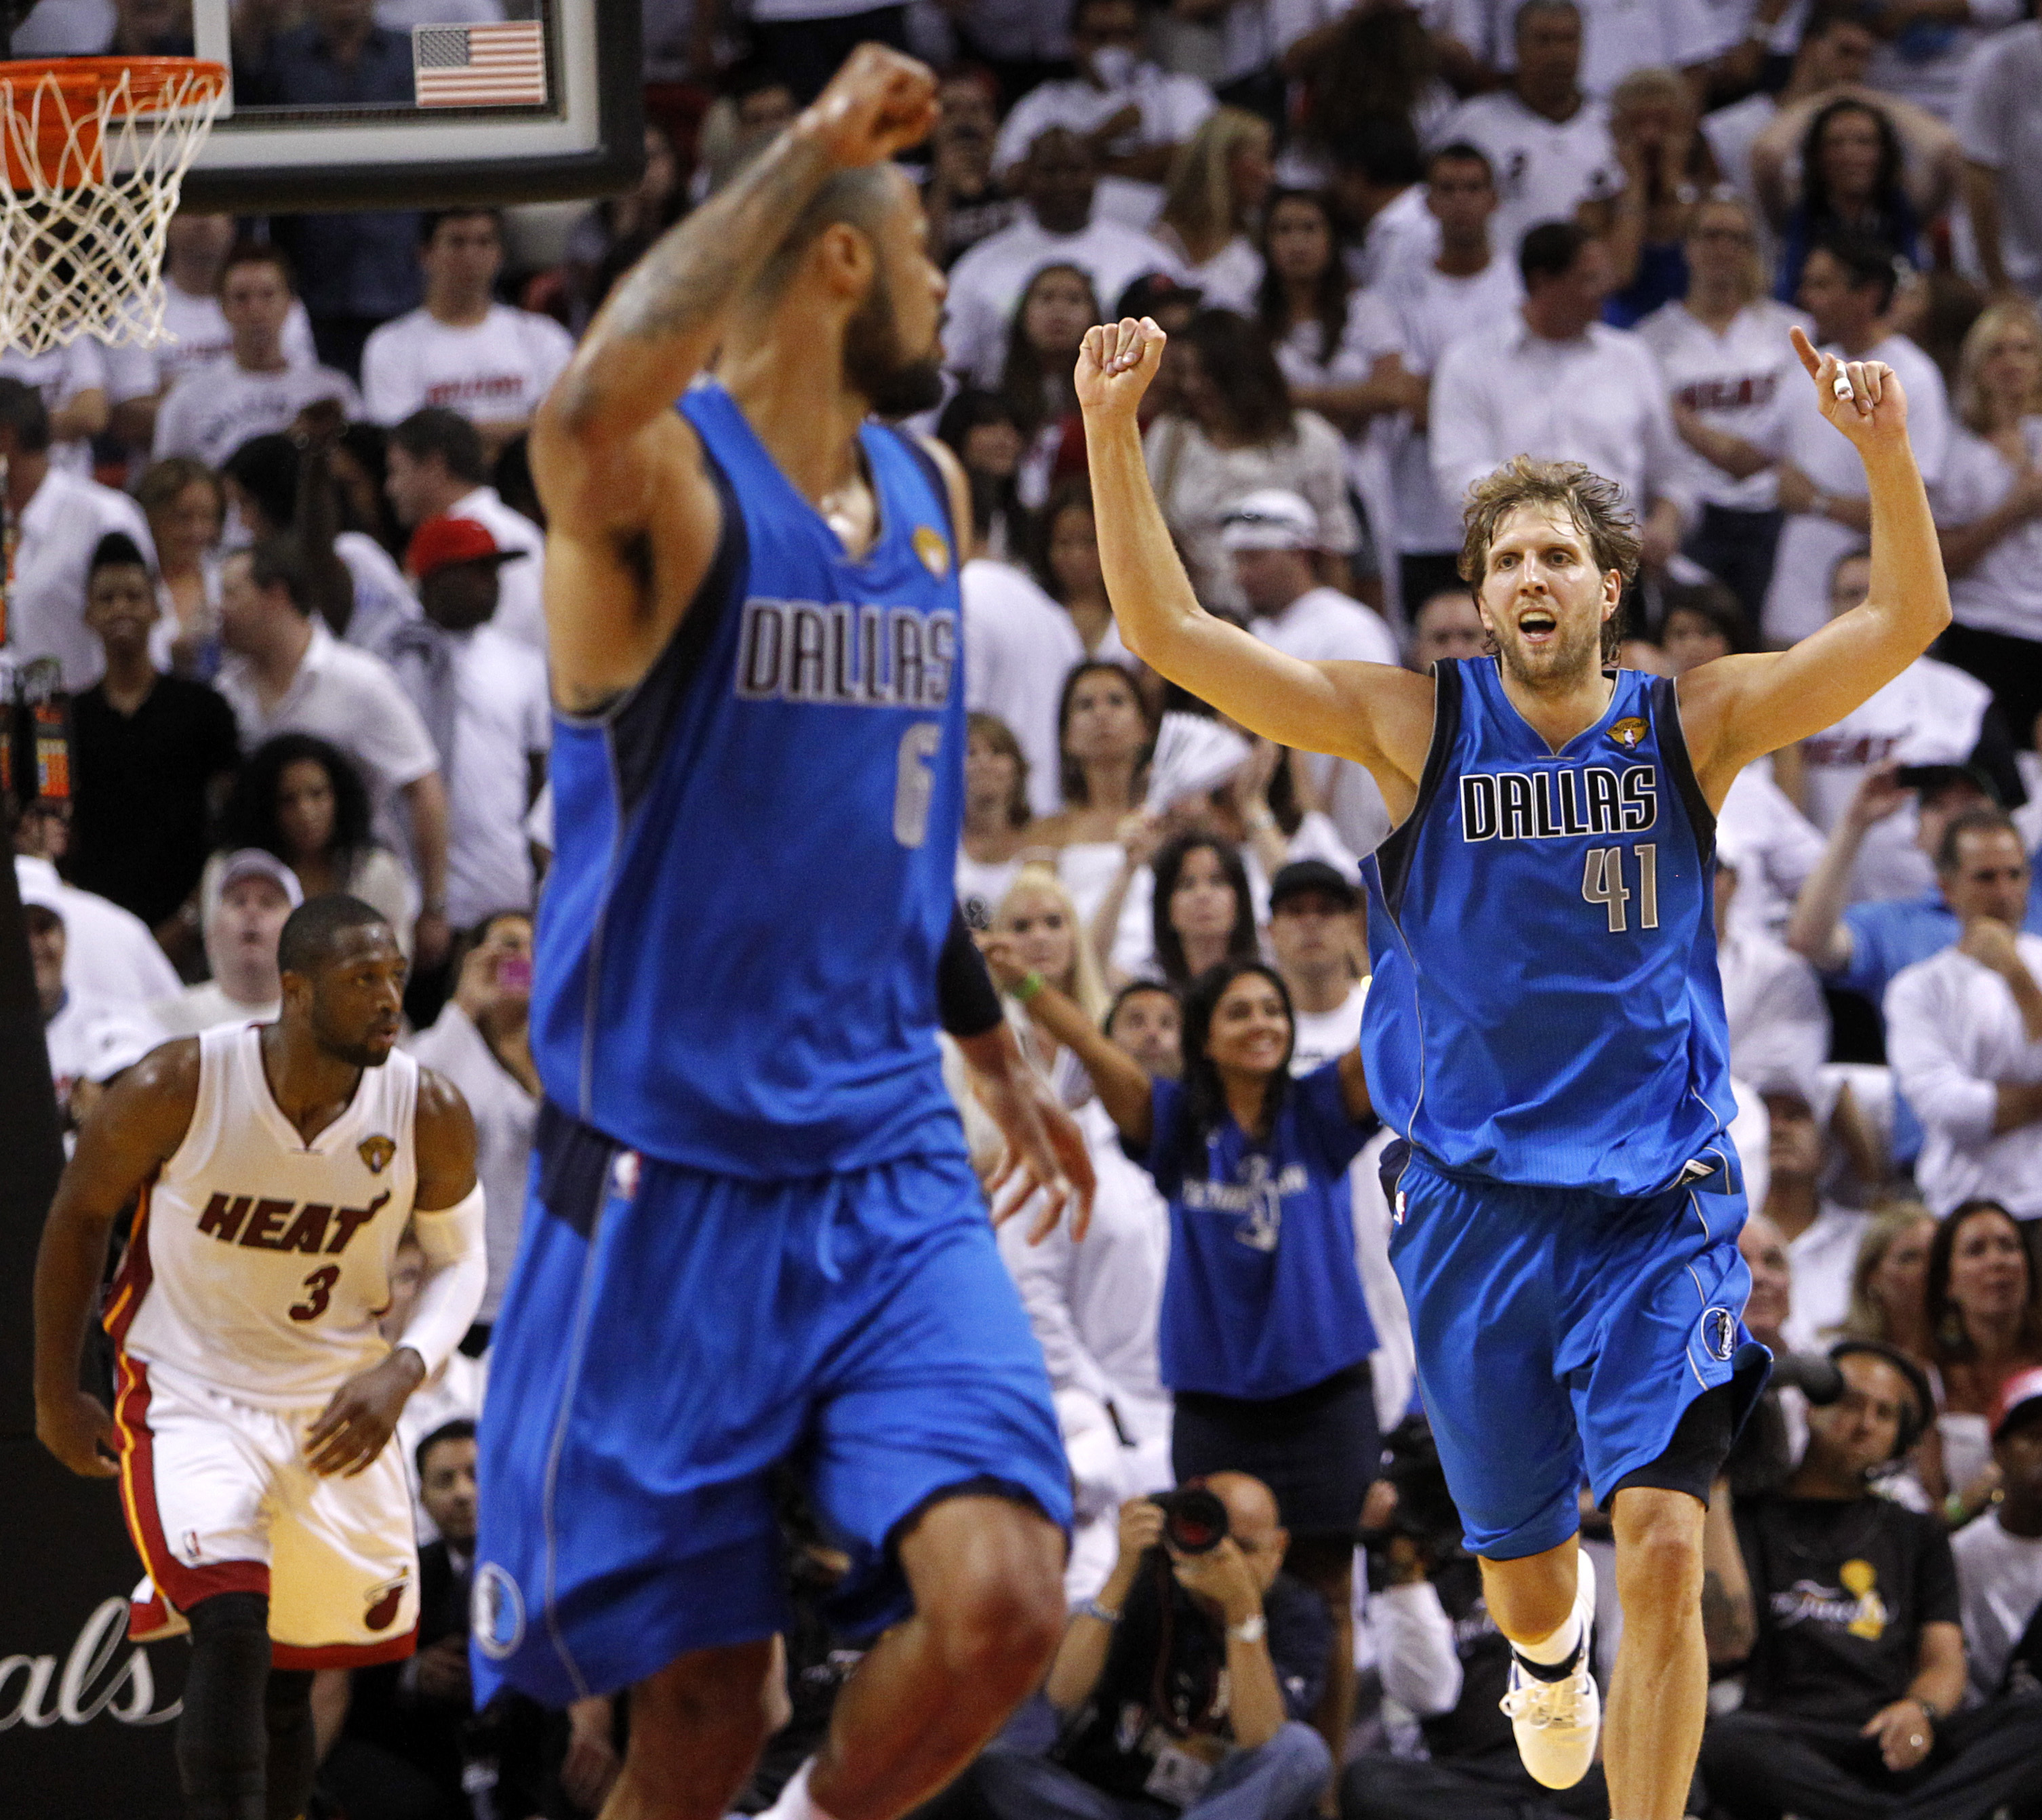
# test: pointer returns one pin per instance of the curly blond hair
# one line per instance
(1595, 504)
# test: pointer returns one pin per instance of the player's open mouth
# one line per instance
(1537, 626)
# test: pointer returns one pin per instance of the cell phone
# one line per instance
(1926, 776)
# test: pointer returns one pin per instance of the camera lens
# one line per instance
(1193, 1521)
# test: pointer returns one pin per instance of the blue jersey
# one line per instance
(737, 944)
(1546, 1008)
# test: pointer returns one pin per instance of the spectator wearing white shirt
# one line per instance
(1272, 538)
(997, 818)
(1378, 177)
(1547, 142)
(1134, 115)
(1430, 303)
(73, 382)
(2000, 130)
(1562, 384)
(1999, 1557)
(1779, 1023)
(111, 957)
(1018, 647)
(1925, 56)
(438, 469)
(1618, 36)
(74, 1021)
(287, 673)
(460, 348)
(1989, 511)
(1726, 354)
(1316, 938)
(255, 389)
(483, 698)
(1218, 185)
(1822, 1238)
(1963, 1029)
(245, 912)
(1058, 181)
(59, 518)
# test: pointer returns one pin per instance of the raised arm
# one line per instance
(632, 516)
(1380, 717)
(1738, 707)
(1123, 1088)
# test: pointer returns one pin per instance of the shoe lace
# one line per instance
(1544, 1702)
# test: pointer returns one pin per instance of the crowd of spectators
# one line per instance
(286, 568)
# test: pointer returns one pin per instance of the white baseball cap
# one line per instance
(1273, 518)
(257, 863)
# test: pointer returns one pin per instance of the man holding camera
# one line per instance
(1188, 1679)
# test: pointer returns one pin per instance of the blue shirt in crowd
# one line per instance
(1262, 1297)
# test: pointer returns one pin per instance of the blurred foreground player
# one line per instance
(754, 1238)
(1546, 1025)
(277, 1167)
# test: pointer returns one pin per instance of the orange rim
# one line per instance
(151, 80)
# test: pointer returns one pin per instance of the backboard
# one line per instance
(379, 104)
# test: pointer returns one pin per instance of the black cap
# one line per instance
(1312, 875)
(1151, 292)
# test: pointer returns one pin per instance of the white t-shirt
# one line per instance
(202, 1007)
(218, 406)
(110, 957)
(60, 526)
(59, 376)
(987, 282)
(1403, 232)
(1999, 1585)
(1798, 601)
(195, 332)
(1731, 132)
(1999, 126)
(1779, 1022)
(981, 885)
(1324, 1036)
(1773, 845)
(1545, 169)
(1931, 714)
(1932, 66)
(1018, 647)
(1821, 1259)
(1731, 381)
(1620, 36)
(1229, 279)
(493, 371)
(2002, 590)
(1427, 309)
(383, 598)
(1172, 108)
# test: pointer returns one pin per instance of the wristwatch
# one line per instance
(1250, 1630)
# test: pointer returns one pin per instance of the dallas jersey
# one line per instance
(1545, 1008)
(737, 944)
(259, 1264)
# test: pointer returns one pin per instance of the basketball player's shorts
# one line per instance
(1561, 1336)
(670, 1340)
(219, 1499)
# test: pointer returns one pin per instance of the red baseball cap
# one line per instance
(2018, 1393)
(441, 541)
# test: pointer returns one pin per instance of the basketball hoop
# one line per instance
(92, 152)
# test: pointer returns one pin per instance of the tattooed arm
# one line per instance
(633, 519)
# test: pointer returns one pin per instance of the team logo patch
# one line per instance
(1719, 1332)
(624, 1175)
(1627, 732)
(934, 552)
(496, 1612)
(384, 1602)
(377, 1152)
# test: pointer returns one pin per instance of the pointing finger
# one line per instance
(1804, 348)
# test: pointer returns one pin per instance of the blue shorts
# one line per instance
(670, 1337)
(1561, 1334)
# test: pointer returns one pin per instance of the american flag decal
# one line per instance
(480, 65)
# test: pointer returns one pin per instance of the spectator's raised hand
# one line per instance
(1116, 362)
(1870, 409)
(1878, 795)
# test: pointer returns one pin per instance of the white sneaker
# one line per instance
(1557, 1722)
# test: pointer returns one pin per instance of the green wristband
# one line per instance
(1030, 983)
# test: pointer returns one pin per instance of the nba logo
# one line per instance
(624, 1175)
(1398, 1219)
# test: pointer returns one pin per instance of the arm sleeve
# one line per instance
(1322, 1110)
(967, 1002)
(456, 1273)
(1421, 1671)
(1922, 1032)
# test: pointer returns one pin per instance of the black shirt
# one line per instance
(1165, 1675)
(1840, 1590)
(140, 819)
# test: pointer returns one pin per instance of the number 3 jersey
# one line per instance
(259, 1264)
(1546, 1008)
(737, 944)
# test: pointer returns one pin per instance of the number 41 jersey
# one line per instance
(1546, 1008)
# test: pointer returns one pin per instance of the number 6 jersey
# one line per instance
(259, 1264)
(1546, 1008)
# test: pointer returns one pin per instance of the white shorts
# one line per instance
(219, 1499)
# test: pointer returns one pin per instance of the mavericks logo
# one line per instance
(1719, 1332)
(496, 1612)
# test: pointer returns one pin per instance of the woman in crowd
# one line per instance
(1049, 322)
(1852, 177)
(1201, 912)
(980, 429)
(1989, 511)
(302, 799)
(996, 819)
(482, 1043)
(1236, 432)
(1265, 1333)
(1218, 187)
(182, 498)
(1725, 351)
(1371, 65)
(1106, 733)
(1039, 925)
(1066, 552)
(1702, 623)
(1889, 1298)
(1985, 1323)
(1667, 170)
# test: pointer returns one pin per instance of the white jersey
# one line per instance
(259, 1262)
(1730, 381)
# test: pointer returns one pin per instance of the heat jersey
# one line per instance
(737, 944)
(259, 1262)
(1546, 1008)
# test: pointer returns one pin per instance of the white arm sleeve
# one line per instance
(456, 1273)
(1422, 1670)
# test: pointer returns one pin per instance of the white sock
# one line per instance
(1551, 1652)
(795, 1801)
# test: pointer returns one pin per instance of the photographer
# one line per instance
(1185, 1681)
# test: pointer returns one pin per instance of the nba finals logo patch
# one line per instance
(1719, 1333)
(936, 554)
(383, 1602)
(1628, 732)
(377, 1152)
